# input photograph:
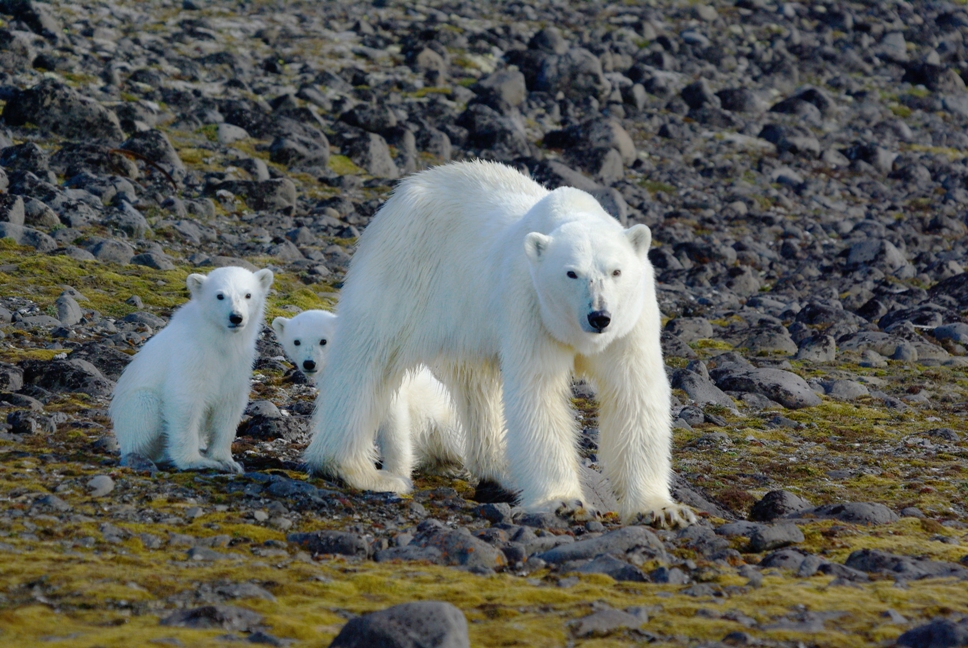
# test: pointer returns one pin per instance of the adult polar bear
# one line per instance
(478, 271)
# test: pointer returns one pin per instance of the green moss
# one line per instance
(209, 132)
(901, 111)
(658, 187)
(716, 345)
(342, 165)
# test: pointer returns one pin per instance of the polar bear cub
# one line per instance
(182, 396)
(508, 290)
(420, 429)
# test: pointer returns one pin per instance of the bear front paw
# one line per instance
(668, 516)
(230, 466)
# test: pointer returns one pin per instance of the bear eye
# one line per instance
(616, 273)
(220, 296)
(296, 342)
(248, 295)
(572, 274)
(322, 342)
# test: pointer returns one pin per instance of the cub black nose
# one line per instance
(599, 320)
(236, 319)
(309, 365)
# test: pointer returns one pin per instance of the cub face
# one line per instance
(306, 339)
(231, 297)
(591, 281)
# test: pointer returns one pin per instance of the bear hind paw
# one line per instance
(379, 481)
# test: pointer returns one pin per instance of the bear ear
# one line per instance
(265, 278)
(640, 236)
(195, 283)
(279, 325)
(535, 245)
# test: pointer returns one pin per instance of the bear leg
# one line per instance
(223, 421)
(476, 392)
(395, 439)
(183, 425)
(138, 424)
(542, 432)
(635, 430)
(353, 400)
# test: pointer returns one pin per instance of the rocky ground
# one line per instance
(803, 170)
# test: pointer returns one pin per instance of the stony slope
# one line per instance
(803, 172)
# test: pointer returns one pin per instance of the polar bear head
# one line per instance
(591, 275)
(306, 338)
(231, 298)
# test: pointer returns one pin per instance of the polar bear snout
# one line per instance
(235, 320)
(309, 365)
(599, 320)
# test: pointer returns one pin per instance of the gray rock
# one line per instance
(690, 329)
(61, 110)
(856, 512)
(957, 332)
(410, 553)
(903, 567)
(369, 151)
(845, 389)
(612, 566)
(408, 625)
(112, 251)
(784, 387)
(668, 576)
(819, 348)
(702, 539)
(508, 85)
(331, 542)
(577, 73)
(154, 145)
(940, 633)
(605, 622)
(701, 389)
(460, 549)
(783, 559)
(767, 538)
(878, 252)
(11, 209)
(30, 422)
(776, 504)
(154, 260)
(22, 235)
(68, 310)
(634, 538)
(100, 485)
(225, 617)
(267, 195)
(597, 490)
(11, 378)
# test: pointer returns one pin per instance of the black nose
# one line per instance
(599, 320)
(309, 365)
(236, 319)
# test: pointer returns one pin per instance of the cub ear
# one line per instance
(195, 283)
(535, 245)
(279, 325)
(265, 278)
(640, 236)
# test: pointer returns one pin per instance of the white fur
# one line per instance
(182, 397)
(464, 269)
(421, 427)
